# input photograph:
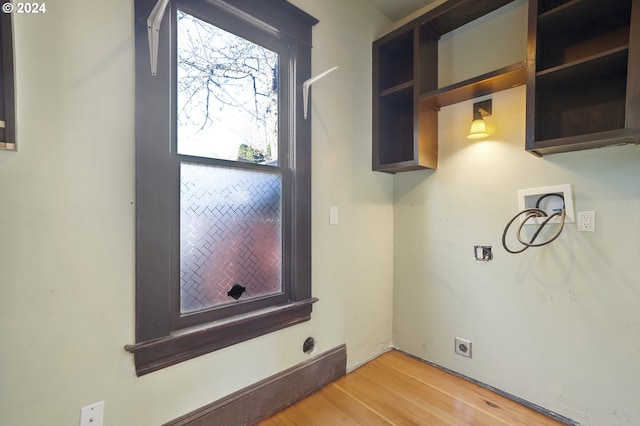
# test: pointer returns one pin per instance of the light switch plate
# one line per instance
(334, 217)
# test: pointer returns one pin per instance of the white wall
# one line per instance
(353, 260)
(67, 224)
(558, 326)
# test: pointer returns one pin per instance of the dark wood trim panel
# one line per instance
(532, 46)
(186, 344)
(290, 20)
(590, 141)
(7, 90)
(267, 397)
(153, 206)
(633, 71)
(164, 336)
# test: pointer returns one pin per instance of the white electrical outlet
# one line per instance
(91, 415)
(586, 221)
(463, 347)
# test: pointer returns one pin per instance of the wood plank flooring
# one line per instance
(396, 389)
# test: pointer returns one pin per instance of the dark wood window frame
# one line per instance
(7, 85)
(163, 336)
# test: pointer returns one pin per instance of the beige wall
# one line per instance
(558, 326)
(67, 228)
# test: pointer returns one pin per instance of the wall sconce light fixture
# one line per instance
(478, 126)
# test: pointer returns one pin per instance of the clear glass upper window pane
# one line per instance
(227, 95)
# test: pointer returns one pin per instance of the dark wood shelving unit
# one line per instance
(406, 97)
(583, 74)
(495, 81)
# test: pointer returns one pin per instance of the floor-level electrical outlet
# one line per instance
(463, 347)
(91, 415)
(586, 221)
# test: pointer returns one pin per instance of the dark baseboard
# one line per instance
(567, 421)
(254, 403)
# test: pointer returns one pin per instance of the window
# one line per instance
(223, 178)
(7, 102)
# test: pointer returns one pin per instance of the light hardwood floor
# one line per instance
(396, 389)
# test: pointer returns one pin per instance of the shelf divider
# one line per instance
(589, 66)
(397, 88)
(485, 84)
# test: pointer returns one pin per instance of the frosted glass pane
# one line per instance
(227, 95)
(230, 233)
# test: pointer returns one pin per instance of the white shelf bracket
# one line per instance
(153, 29)
(307, 84)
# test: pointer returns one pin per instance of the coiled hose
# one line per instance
(530, 214)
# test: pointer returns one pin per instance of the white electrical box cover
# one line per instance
(527, 199)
